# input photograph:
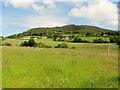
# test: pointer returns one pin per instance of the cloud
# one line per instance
(50, 3)
(100, 11)
(19, 3)
(30, 4)
(41, 21)
(37, 7)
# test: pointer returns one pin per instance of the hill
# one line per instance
(67, 29)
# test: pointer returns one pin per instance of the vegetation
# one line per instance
(63, 45)
(73, 47)
(32, 43)
(87, 66)
(5, 44)
(79, 40)
(115, 40)
(112, 39)
(82, 30)
(100, 40)
(42, 45)
(118, 41)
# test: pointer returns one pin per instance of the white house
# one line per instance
(26, 37)
(44, 37)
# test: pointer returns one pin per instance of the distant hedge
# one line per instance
(99, 40)
(42, 45)
(79, 40)
(115, 40)
(63, 45)
(32, 43)
(5, 44)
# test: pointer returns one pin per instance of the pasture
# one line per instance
(87, 66)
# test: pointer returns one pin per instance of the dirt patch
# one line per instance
(115, 56)
(108, 67)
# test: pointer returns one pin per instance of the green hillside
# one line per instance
(66, 30)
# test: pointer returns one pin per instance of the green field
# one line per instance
(87, 66)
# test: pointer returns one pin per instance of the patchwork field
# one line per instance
(87, 66)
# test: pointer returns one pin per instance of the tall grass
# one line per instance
(26, 67)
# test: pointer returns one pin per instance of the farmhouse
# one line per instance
(44, 37)
(66, 38)
(26, 37)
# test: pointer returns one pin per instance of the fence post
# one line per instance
(108, 48)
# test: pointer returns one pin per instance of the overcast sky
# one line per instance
(20, 15)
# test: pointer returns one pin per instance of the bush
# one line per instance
(31, 43)
(3, 38)
(112, 40)
(99, 40)
(85, 41)
(63, 45)
(54, 39)
(115, 40)
(42, 45)
(73, 47)
(6, 44)
(25, 43)
(77, 40)
(118, 41)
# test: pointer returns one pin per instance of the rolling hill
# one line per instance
(67, 29)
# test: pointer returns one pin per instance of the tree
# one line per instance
(31, 42)
(112, 40)
(76, 39)
(63, 45)
(102, 33)
(118, 41)
(100, 40)
(115, 40)
(25, 43)
(88, 34)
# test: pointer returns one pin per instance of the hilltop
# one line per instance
(67, 29)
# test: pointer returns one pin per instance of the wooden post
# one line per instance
(108, 48)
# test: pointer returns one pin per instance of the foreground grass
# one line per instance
(87, 66)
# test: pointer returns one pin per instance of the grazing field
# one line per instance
(87, 66)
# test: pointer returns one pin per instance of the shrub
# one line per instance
(77, 39)
(99, 40)
(31, 42)
(112, 40)
(25, 43)
(118, 41)
(63, 45)
(85, 41)
(42, 45)
(115, 40)
(73, 47)
(54, 39)
(6, 44)
(3, 38)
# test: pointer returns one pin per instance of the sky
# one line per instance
(20, 15)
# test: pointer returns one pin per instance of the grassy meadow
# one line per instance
(87, 66)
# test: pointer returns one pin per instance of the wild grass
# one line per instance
(87, 66)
